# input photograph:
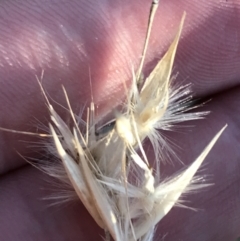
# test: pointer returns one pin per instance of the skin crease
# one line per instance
(75, 40)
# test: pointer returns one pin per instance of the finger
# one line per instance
(102, 41)
(24, 214)
(218, 207)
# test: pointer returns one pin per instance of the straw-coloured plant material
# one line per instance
(110, 171)
(100, 168)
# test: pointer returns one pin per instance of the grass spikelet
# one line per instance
(110, 172)
(156, 105)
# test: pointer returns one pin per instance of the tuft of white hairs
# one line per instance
(110, 172)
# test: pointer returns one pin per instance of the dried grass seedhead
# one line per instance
(101, 169)
(110, 172)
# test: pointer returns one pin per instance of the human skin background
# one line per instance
(75, 40)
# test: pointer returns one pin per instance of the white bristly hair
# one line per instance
(118, 187)
(110, 172)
